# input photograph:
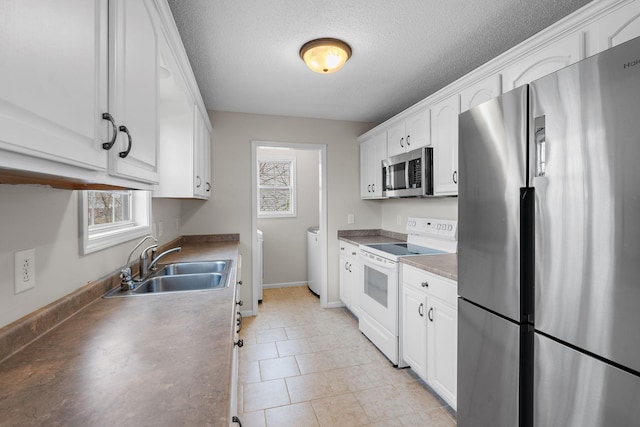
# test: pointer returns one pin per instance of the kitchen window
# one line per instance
(276, 188)
(109, 218)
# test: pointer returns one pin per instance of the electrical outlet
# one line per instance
(351, 219)
(25, 270)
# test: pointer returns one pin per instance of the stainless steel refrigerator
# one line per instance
(549, 250)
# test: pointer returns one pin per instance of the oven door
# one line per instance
(379, 290)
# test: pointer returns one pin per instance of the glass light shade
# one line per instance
(326, 55)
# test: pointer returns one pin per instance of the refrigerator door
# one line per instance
(488, 367)
(587, 190)
(492, 162)
(575, 390)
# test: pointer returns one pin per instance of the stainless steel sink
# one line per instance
(193, 268)
(181, 277)
(188, 282)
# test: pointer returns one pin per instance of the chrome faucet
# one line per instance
(126, 282)
(144, 260)
(154, 260)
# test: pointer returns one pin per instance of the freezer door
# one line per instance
(492, 161)
(587, 190)
(488, 368)
(573, 389)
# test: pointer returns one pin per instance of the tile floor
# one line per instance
(305, 366)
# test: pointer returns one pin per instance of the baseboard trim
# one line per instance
(283, 285)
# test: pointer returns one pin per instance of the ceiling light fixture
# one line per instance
(325, 55)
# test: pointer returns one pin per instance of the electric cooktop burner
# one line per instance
(403, 249)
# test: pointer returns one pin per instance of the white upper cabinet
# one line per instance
(372, 152)
(53, 86)
(69, 68)
(617, 27)
(409, 134)
(548, 59)
(202, 158)
(444, 135)
(480, 92)
(133, 83)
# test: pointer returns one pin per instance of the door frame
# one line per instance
(323, 223)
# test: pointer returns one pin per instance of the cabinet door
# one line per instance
(379, 154)
(618, 27)
(444, 134)
(480, 92)
(201, 160)
(443, 349)
(553, 57)
(417, 130)
(54, 83)
(414, 330)
(133, 87)
(346, 290)
(396, 139)
(366, 157)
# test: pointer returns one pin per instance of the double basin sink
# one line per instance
(181, 277)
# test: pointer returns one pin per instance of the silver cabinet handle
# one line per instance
(208, 187)
(425, 284)
(236, 420)
(373, 188)
(430, 314)
(350, 265)
(239, 321)
(455, 177)
(240, 303)
(109, 118)
(408, 140)
(401, 140)
(239, 343)
(199, 181)
(125, 153)
(421, 309)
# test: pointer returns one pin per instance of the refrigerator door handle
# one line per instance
(540, 141)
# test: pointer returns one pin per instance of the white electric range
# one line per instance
(379, 288)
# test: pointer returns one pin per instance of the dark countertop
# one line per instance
(157, 360)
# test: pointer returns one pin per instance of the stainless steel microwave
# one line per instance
(409, 174)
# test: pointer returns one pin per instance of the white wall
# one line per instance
(229, 208)
(285, 239)
(46, 219)
(437, 208)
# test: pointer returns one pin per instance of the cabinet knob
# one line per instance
(425, 284)
(114, 128)
(125, 153)
(239, 282)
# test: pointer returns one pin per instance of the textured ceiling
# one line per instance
(244, 53)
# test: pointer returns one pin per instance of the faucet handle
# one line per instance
(126, 282)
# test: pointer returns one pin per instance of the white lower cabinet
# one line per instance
(430, 329)
(349, 276)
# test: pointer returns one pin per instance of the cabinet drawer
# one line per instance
(349, 250)
(432, 284)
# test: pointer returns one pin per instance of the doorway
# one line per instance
(284, 150)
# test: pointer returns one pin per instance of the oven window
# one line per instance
(376, 285)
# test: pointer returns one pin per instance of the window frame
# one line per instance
(293, 211)
(96, 238)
